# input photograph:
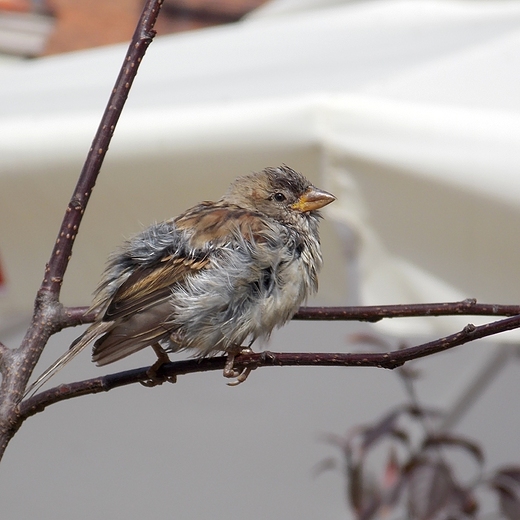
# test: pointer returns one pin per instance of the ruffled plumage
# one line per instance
(220, 274)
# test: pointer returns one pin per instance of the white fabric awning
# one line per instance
(408, 111)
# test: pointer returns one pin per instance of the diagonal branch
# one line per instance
(62, 250)
(48, 312)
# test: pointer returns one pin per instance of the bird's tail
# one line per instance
(76, 347)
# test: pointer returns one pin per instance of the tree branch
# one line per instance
(373, 313)
(62, 251)
(49, 313)
(73, 316)
(389, 360)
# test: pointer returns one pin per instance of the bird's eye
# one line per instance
(279, 197)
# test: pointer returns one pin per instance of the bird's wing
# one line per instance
(208, 227)
(149, 286)
(140, 309)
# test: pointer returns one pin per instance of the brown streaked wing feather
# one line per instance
(147, 286)
(215, 223)
(135, 333)
(219, 223)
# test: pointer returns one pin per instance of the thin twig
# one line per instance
(373, 313)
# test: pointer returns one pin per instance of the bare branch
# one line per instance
(373, 313)
(96, 385)
(388, 360)
(62, 251)
(6, 356)
(74, 316)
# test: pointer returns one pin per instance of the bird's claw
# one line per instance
(241, 377)
(231, 372)
(154, 379)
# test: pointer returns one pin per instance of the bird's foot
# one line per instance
(154, 379)
(231, 372)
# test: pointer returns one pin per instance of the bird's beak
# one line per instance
(313, 199)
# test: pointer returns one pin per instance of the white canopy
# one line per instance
(408, 111)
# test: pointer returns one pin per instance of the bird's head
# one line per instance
(280, 193)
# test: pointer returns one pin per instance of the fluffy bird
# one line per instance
(221, 274)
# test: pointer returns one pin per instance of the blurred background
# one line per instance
(36, 28)
(407, 111)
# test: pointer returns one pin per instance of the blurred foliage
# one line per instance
(418, 476)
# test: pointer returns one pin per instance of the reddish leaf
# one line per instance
(509, 503)
(392, 485)
(2, 277)
(448, 440)
(507, 484)
(392, 470)
(511, 472)
(384, 428)
(430, 488)
(464, 501)
(356, 491)
(325, 465)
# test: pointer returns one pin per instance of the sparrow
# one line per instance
(212, 280)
